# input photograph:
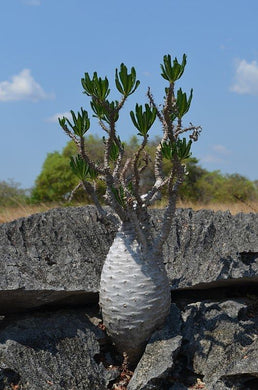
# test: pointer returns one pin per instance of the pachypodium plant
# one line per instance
(134, 289)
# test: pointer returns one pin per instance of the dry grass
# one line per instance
(8, 214)
(234, 208)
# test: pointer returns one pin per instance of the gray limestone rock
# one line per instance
(216, 349)
(220, 342)
(51, 350)
(53, 257)
(207, 249)
(159, 356)
(56, 257)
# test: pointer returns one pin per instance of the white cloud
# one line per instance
(210, 158)
(218, 154)
(22, 87)
(54, 118)
(32, 2)
(246, 78)
(221, 149)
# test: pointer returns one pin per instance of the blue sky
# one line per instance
(47, 45)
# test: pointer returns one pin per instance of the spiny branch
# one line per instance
(121, 103)
(74, 191)
(108, 146)
(195, 131)
(122, 179)
(92, 192)
(119, 161)
(71, 135)
(135, 164)
(175, 180)
(153, 104)
(82, 151)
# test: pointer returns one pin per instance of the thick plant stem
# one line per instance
(134, 293)
(175, 180)
(91, 191)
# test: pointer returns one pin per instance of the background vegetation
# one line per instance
(55, 183)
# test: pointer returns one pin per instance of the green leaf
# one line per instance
(87, 84)
(92, 173)
(62, 121)
(182, 103)
(81, 122)
(172, 72)
(181, 148)
(126, 83)
(79, 167)
(97, 109)
(143, 120)
(114, 150)
(96, 86)
(119, 195)
(106, 111)
(167, 150)
(118, 84)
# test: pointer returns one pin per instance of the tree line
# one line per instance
(56, 181)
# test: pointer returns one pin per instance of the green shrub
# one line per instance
(11, 194)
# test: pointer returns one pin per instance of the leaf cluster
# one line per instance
(95, 86)
(143, 120)
(55, 181)
(126, 83)
(114, 148)
(82, 169)
(81, 122)
(107, 112)
(172, 72)
(182, 104)
(181, 149)
(123, 177)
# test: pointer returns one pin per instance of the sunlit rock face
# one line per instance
(51, 335)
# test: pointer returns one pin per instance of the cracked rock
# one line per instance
(52, 262)
(220, 342)
(52, 258)
(209, 249)
(51, 350)
(55, 258)
(159, 356)
(210, 346)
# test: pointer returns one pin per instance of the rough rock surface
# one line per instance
(52, 257)
(52, 262)
(57, 256)
(159, 356)
(205, 249)
(219, 349)
(51, 350)
(221, 341)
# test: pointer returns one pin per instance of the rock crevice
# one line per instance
(50, 337)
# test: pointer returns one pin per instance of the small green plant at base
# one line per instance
(134, 288)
